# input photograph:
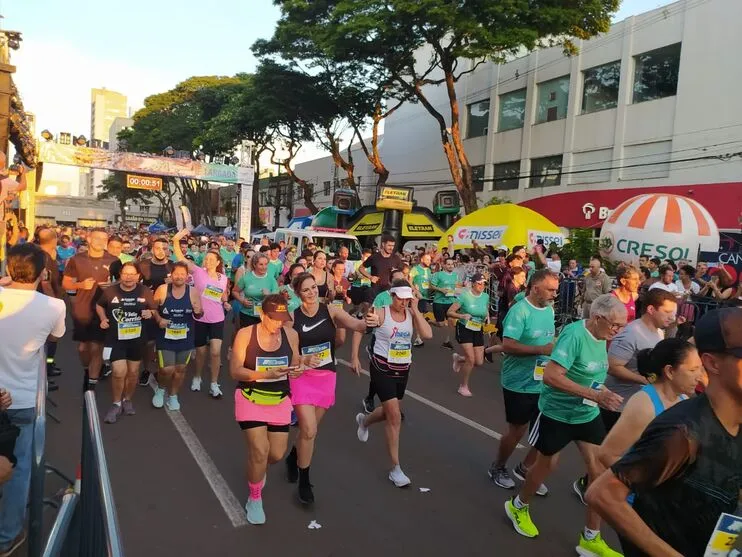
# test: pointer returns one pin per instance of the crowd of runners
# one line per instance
(651, 395)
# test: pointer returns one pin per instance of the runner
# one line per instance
(264, 356)
(294, 301)
(471, 309)
(227, 253)
(275, 265)
(319, 271)
(360, 287)
(338, 285)
(121, 310)
(684, 471)
(178, 304)
(253, 287)
(313, 393)
(513, 286)
(389, 368)
(628, 279)
(378, 267)
(573, 389)
(528, 339)
(211, 285)
(85, 275)
(420, 276)
(443, 285)
(51, 286)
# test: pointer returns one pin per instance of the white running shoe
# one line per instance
(457, 360)
(362, 429)
(215, 391)
(399, 478)
(196, 384)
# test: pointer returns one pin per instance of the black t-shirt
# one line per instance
(381, 267)
(154, 275)
(52, 270)
(115, 269)
(685, 470)
(124, 311)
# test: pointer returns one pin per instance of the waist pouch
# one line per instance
(264, 398)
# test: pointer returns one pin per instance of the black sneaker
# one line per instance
(292, 469)
(306, 495)
(53, 371)
(51, 386)
(106, 370)
(368, 405)
(580, 487)
(144, 378)
(448, 345)
(488, 357)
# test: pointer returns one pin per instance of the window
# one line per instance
(656, 73)
(546, 171)
(326, 186)
(552, 100)
(512, 110)
(507, 176)
(478, 115)
(477, 179)
(647, 160)
(600, 87)
(591, 167)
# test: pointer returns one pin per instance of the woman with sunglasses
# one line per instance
(313, 393)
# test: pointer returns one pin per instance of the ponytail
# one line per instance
(651, 362)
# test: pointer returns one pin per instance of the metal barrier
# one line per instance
(38, 468)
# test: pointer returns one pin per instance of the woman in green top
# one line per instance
(294, 271)
(472, 311)
(252, 287)
(443, 286)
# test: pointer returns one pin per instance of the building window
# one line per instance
(478, 115)
(512, 110)
(656, 73)
(591, 167)
(477, 178)
(600, 87)
(326, 186)
(546, 171)
(507, 176)
(553, 96)
(647, 161)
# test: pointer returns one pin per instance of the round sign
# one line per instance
(658, 225)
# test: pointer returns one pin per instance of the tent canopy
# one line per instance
(502, 225)
(203, 230)
(156, 227)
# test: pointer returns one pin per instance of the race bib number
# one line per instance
(425, 285)
(400, 353)
(474, 324)
(724, 536)
(176, 331)
(450, 291)
(256, 309)
(264, 364)
(129, 331)
(338, 303)
(365, 282)
(213, 293)
(322, 351)
(596, 386)
(538, 369)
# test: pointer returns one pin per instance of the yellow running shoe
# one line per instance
(521, 520)
(595, 548)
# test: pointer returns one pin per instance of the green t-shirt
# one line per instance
(532, 326)
(198, 257)
(519, 296)
(420, 277)
(586, 361)
(252, 287)
(227, 259)
(359, 280)
(382, 300)
(448, 282)
(294, 300)
(275, 268)
(126, 258)
(476, 306)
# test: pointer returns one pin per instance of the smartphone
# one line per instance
(291, 368)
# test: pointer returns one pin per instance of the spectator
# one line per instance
(686, 285)
(27, 320)
(554, 262)
(667, 276)
(702, 274)
(654, 266)
(573, 270)
(720, 285)
(597, 283)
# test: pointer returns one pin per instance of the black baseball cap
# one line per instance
(478, 277)
(720, 331)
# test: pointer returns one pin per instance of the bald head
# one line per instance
(47, 237)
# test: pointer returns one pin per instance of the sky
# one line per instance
(139, 48)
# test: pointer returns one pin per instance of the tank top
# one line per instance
(263, 360)
(654, 396)
(178, 335)
(393, 344)
(317, 336)
(322, 288)
(630, 307)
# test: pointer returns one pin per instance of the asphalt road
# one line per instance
(179, 482)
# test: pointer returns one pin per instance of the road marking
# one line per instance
(443, 410)
(228, 500)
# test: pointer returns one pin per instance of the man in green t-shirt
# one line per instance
(228, 254)
(572, 392)
(420, 278)
(528, 337)
(275, 265)
(443, 286)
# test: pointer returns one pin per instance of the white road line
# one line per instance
(219, 486)
(443, 410)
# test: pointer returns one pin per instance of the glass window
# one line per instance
(546, 171)
(600, 89)
(507, 175)
(478, 115)
(512, 110)
(553, 96)
(478, 177)
(656, 73)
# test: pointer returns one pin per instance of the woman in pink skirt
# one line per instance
(313, 392)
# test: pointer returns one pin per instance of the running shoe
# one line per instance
(521, 519)
(113, 414)
(19, 540)
(306, 495)
(368, 405)
(362, 429)
(488, 357)
(398, 478)
(294, 418)
(158, 400)
(448, 345)
(254, 511)
(128, 407)
(292, 468)
(465, 392)
(196, 384)
(520, 472)
(500, 477)
(51, 386)
(144, 378)
(53, 371)
(172, 403)
(580, 487)
(597, 547)
(215, 391)
(456, 362)
(106, 370)
(418, 342)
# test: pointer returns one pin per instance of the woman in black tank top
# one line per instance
(264, 357)
(313, 393)
(318, 270)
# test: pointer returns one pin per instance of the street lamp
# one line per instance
(80, 140)
(46, 135)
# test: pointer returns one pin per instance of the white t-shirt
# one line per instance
(671, 288)
(695, 288)
(554, 266)
(27, 318)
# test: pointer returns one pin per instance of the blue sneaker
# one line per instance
(158, 400)
(294, 419)
(254, 510)
(172, 403)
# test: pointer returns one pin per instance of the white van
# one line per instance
(327, 240)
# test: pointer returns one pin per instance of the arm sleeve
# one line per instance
(623, 347)
(566, 349)
(70, 269)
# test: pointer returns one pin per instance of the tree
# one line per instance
(114, 187)
(424, 43)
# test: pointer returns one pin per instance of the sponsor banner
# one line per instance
(483, 235)
(629, 250)
(402, 194)
(415, 225)
(548, 238)
(245, 210)
(151, 183)
(369, 225)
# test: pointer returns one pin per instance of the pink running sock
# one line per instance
(256, 490)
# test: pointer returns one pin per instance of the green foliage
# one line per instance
(496, 201)
(582, 245)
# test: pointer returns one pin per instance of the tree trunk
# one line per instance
(122, 210)
(337, 158)
(305, 186)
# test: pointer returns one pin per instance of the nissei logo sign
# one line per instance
(468, 234)
(548, 238)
